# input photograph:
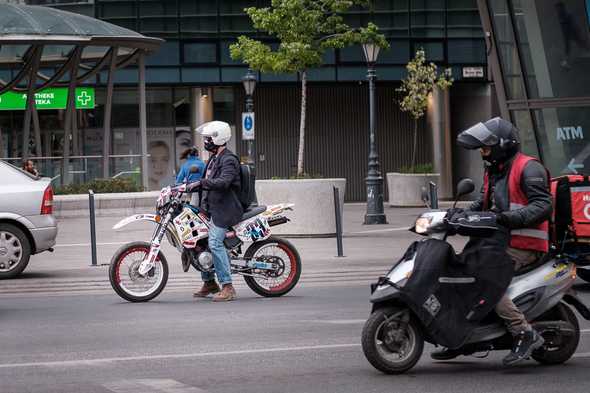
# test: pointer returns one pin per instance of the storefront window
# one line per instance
(428, 18)
(567, 130)
(504, 36)
(528, 142)
(555, 43)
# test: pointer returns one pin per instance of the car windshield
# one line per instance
(29, 175)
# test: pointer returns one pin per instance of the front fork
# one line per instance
(149, 262)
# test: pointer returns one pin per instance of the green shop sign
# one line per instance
(50, 98)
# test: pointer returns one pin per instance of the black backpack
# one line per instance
(247, 193)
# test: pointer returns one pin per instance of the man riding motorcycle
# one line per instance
(516, 189)
(219, 186)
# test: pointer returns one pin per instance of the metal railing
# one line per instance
(84, 168)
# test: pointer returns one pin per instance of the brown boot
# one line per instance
(208, 288)
(227, 293)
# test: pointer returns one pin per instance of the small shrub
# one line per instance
(100, 186)
(418, 168)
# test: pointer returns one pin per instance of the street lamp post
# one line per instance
(249, 82)
(374, 180)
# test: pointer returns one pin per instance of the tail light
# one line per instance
(47, 203)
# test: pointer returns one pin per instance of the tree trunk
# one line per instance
(415, 146)
(302, 124)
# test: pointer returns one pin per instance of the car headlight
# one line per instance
(422, 224)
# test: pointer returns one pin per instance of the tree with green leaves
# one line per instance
(420, 82)
(305, 29)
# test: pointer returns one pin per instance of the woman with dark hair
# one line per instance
(192, 169)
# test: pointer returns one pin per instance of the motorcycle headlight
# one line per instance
(422, 224)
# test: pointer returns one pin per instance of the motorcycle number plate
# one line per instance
(187, 226)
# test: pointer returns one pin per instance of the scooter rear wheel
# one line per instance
(560, 353)
(391, 344)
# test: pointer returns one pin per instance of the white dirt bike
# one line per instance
(271, 266)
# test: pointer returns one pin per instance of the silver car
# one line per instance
(27, 225)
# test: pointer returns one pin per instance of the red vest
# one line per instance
(535, 238)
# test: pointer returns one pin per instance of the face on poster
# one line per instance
(161, 146)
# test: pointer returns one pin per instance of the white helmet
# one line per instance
(219, 131)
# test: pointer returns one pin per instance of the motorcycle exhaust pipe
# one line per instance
(278, 221)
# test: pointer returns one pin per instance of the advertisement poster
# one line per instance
(161, 148)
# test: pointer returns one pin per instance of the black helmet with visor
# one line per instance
(498, 134)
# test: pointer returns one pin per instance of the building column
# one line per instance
(106, 149)
(438, 118)
(201, 107)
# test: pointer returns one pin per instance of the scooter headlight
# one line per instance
(422, 224)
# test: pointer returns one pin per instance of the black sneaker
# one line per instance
(445, 354)
(524, 345)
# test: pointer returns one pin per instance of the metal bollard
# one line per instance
(433, 195)
(92, 227)
(338, 217)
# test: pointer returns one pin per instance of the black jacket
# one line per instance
(535, 185)
(220, 197)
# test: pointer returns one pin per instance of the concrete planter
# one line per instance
(115, 204)
(313, 214)
(405, 189)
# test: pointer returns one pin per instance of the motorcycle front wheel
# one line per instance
(125, 278)
(278, 282)
(390, 344)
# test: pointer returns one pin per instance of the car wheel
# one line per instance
(15, 251)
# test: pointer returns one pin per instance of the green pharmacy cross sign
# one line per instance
(50, 98)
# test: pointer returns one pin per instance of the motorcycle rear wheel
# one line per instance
(284, 280)
(562, 353)
(136, 251)
(392, 346)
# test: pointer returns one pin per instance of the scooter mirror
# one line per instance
(465, 187)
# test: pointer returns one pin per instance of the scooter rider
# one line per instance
(219, 186)
(516, 189)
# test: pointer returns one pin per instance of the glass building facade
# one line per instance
(194, 63)
(540, 53)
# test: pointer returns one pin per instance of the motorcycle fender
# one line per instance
(136, 217)
(572, 298)
(384, 293)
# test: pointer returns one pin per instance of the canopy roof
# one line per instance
(33, 37)
(25, 25)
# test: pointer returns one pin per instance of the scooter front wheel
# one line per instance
(392, 342)
(124, 273)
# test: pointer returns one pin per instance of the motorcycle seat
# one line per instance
(538, 263)
(253, 211)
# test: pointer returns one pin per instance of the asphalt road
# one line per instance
(305, 342)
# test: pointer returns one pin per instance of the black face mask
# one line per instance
(210, 146)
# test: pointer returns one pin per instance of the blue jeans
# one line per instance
(220, 257)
